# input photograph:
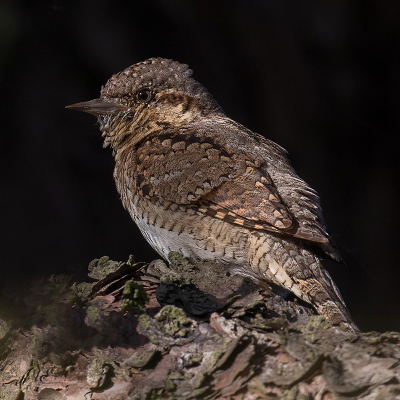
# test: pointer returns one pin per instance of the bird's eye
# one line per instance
(144, 95)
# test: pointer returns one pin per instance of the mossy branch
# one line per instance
(181, 332)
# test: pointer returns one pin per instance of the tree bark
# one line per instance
(187, 331)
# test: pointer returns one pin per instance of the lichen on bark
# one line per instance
(183, 331)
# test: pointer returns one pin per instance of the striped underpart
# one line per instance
(168, 227)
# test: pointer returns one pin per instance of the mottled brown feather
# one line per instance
(198, 182)
(186, 169)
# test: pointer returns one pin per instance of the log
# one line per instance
(183, 331)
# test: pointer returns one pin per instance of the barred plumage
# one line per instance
(197, 182)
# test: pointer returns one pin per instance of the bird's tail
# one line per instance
(327, 300)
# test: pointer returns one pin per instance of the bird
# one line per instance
(197, 182)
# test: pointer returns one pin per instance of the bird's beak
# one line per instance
(98, 107)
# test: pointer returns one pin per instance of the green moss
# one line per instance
(175, 375)
(291, 394)
(131, 260)
(144, 321)
(172, 376)
(182, 332)
(172, 319)
(92, 314)
(180, 262)
(315, 328)
(194, 359)
(136, 291)
(169, 385)
(101, 267)
(172, 279)
(215, 356)
(143, 359)
(282, 340)
(128, 305)
(80, 292)
(135, 298)
(154, 340)
(275, 323)
(97, 373)
(318, 322)
(201, 379)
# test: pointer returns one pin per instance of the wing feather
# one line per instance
(199, 170)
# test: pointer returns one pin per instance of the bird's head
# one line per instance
(147, 97)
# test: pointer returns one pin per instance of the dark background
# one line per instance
(319, 78)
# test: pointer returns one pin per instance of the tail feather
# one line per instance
(327, 300)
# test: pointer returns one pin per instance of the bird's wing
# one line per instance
(192, 169)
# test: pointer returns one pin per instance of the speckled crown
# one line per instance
(155, 73)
